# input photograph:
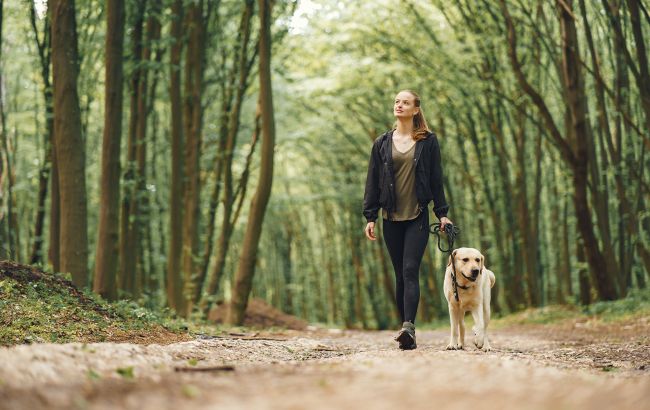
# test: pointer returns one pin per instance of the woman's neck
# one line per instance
(404, 126)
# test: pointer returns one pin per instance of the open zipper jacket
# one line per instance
(380, 182)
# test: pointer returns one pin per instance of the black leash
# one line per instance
(451, 231)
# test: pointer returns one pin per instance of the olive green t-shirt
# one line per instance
(406, 206)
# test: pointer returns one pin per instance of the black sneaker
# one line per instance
(406, 336)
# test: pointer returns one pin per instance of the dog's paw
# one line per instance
(450, 346)
(486, 348)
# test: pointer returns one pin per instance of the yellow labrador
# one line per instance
(473, 284)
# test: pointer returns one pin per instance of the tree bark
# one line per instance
(106, 255)
(174, 276)
(192, 120)
(128, 232)
(602, 269)
(44, 51)
(246, 268)
(70, 150)
(221, 248)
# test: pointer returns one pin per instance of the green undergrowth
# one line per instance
(37, 307)
(635, 305)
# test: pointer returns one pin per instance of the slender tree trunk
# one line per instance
(193, 118)
(106, 255)
(577, 105)
(583, 275)
(128, 233)
(246, 268)
(4, 232)
(44, 50)
(174, 276)
(54, 252)
(70, 151)
(221, 248)
(141, 201)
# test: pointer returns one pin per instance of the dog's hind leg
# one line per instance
(486, 321)
(479, 327)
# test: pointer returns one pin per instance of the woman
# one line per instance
(404, 175)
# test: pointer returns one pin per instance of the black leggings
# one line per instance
(406, 241)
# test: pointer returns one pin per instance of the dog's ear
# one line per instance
(451, 257)
(482, 262)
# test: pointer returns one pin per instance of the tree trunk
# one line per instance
(106, 256)
(141, 201)
(246, 268)
(70, 151)
(44, 51)
(192, 120)
(4, 232)
(54, 253)
(174, 276)
(227, 225)
(602, 269)
(128, 233)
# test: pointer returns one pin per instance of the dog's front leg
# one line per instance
(479, 327)
(461, 327)
(453, 320)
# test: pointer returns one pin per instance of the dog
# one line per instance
(474, 282)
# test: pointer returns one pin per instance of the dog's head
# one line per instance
(469, 262)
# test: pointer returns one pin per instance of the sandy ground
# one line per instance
(573, 366)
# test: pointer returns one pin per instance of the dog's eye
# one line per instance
(465, 259)
(477, 260)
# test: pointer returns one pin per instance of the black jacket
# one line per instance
(380, 182)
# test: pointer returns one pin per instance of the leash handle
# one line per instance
(451, 231)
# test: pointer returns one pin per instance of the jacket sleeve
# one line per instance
(371, 195)
(440, 207)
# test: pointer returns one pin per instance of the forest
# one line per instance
(189, 153)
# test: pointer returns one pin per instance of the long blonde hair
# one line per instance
(420, 127)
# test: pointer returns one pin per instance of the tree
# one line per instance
(246, 267)
(69, 146)
(106, 256)
(174, 276)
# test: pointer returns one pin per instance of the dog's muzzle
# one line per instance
(475, 273)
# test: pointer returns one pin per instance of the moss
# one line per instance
(36, 307)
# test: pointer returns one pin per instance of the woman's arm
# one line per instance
(371, 195)
(440, 207)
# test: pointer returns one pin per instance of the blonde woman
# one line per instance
(404, 175)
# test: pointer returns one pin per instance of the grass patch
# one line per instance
(636, 304)
(37, 307)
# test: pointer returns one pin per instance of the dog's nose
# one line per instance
(475, 272)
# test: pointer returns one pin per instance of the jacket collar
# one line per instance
(387, 148)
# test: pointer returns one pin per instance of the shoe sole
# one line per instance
(406, 341)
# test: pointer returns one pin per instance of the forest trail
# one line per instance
(569, 366)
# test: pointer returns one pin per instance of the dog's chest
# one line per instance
(469, 298)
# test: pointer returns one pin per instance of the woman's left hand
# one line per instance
(443, 222)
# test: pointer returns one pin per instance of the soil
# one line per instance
(574, 365)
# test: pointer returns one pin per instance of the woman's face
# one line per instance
(405, 105)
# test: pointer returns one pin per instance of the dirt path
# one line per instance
(534, 367)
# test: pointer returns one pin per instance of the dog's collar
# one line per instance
(455, 282)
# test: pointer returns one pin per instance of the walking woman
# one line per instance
(404, 175)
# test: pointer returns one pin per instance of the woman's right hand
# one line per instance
(370, 231)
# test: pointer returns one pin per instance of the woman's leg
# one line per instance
(394, 238)
(416, 236)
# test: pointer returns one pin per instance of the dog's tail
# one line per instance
(492, 278)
